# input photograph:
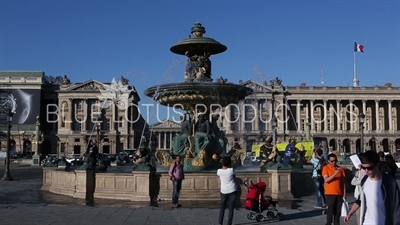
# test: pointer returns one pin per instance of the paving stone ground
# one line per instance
(22, 202)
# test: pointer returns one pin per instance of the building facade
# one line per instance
(83, 119)
(72, 116)
(28, 90)
(330, 112)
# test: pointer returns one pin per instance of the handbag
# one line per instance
(345, 208)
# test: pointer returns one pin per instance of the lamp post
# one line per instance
(274, 124)
(7, 175)
(361, 118)
(373, 143)
(98, 133)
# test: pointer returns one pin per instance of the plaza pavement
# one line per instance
(22, 202)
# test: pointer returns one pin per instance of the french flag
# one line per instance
(358, 47)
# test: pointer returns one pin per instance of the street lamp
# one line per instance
(361, 118)
(7, 175)
(98, 133)
(274, 124)
(373, 143)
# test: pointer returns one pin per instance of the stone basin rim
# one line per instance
(198, 87)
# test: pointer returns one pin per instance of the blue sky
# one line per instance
(265, 39)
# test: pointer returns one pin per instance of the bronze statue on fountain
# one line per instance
(143, 159)
(91, 159)
(294, 157)
(201, 143)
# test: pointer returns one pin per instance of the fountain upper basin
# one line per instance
(187, 94)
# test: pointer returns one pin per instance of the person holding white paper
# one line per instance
(382, 206)
(356, 181)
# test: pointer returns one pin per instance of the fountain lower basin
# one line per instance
(143, 186)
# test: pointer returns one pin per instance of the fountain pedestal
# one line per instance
(281, 184)
(85, 184)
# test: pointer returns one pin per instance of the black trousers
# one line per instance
(227, 200)
(333, 213)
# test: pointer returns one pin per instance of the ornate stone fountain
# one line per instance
(201, 142)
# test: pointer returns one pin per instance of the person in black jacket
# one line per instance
(391, 167)
(382, 206)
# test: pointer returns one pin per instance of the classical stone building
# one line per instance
(163, 132)
(71, 115)
(330, 112)
(83, 118)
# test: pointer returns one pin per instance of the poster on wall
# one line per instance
(24, 103)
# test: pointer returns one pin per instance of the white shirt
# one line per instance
(227, 177)
(375, 213)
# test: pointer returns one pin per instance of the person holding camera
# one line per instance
(228, 189)
(176, 175)
(318, 163)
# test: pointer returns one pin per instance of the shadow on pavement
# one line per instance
(288, 217)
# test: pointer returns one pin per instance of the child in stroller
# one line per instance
(257, 203)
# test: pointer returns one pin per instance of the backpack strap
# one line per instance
(363, 180)
(319, 163)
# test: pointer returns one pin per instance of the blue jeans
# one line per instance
(319, 191)
(176, 185)
(227, 200)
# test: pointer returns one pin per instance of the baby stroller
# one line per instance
(258, 203)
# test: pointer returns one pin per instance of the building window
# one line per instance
(78, 104)
(341, 126)
(77, 124)
(77, 140)
(106, 124)
(329, 124)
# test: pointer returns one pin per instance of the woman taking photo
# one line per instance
(228, 190)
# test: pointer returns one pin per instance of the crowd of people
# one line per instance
(375, 177)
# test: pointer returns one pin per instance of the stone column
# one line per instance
(390, 114)
(351, 116)
(227, 118)
(364, 106)
(377, 115)
(257, 117)
(312, 115)
(114, 114)
(298, 117)
(242, 117)
(325, 115)
(170, 140)
(165, 140)
(70, 116)
(159, 140)
(338, 114)
(85, 118)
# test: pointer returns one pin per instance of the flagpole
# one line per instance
(354, 66)
(355, 79)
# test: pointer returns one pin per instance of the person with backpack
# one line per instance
(318, 163)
